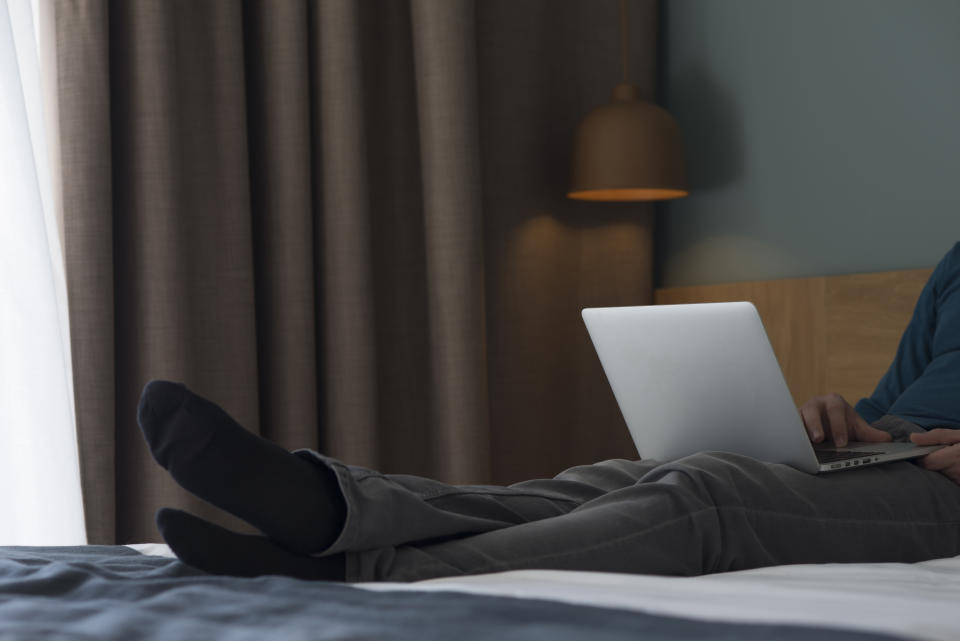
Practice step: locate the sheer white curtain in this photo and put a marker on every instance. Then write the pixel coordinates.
(40, 499)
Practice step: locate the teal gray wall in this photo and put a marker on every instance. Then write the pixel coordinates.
(822, 137)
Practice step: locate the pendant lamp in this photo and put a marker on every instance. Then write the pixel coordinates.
(629, 149)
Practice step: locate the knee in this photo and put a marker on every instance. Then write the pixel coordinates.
(718, 478)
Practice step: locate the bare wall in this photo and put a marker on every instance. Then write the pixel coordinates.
(822, 137)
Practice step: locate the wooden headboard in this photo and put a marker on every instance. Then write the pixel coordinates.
(830, 333)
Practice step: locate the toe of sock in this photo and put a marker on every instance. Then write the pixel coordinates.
(167, 516)
(184, 533)
(160, 399)
(174, 525)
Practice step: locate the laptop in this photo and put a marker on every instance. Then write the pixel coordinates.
(703, 377)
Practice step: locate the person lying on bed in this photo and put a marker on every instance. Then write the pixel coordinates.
(714, 512)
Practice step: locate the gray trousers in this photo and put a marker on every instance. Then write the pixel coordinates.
(710, 512)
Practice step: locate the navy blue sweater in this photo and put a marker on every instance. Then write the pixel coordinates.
(923, 383)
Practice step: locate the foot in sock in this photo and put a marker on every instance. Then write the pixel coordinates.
(213, 549)
(295, 502)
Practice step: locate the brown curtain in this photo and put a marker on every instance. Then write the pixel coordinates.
(344, 222)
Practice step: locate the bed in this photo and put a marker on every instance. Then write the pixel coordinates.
(817, 329)
(118, 593)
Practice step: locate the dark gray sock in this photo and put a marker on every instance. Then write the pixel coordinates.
(295, 502)
(213, 549)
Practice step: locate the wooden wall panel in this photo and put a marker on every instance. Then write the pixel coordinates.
(865, 316)
(830, 333)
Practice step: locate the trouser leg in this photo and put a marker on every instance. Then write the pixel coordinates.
(388, 510)
(705, 513)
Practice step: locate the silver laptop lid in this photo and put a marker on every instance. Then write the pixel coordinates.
(696, 378)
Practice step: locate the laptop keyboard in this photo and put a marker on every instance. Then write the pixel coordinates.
(829, 456)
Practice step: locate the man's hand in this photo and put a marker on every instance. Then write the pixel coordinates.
(945, 460)
(831, 417)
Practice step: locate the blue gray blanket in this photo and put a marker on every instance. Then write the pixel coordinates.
(107, 593)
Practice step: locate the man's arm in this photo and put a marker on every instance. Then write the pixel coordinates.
(921, 383)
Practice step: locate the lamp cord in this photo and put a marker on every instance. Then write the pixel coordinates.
(623, 39)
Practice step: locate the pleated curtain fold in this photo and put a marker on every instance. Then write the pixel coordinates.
(300, 210)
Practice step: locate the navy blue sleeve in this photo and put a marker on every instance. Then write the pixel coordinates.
(923, 382)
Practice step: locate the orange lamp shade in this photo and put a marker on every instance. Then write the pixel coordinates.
(627, 150)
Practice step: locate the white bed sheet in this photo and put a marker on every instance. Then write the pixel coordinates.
(918, 601)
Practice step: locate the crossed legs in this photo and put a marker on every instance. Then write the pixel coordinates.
(705, 513)
(294, 502)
